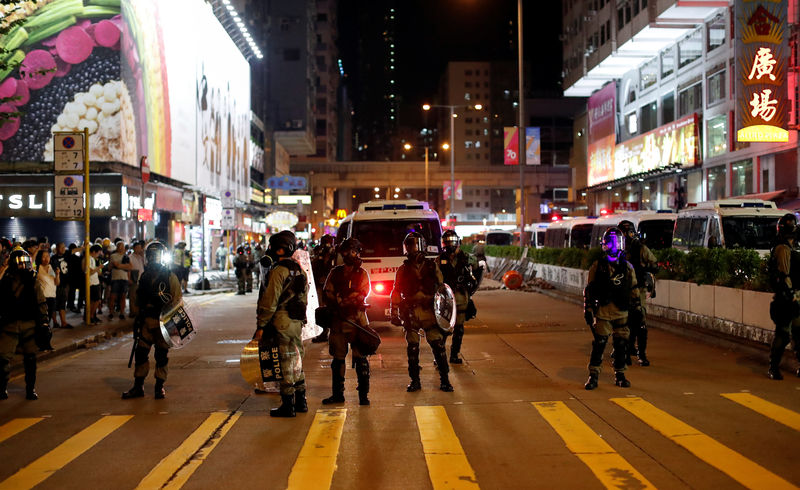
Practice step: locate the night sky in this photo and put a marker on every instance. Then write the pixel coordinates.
(432, 32)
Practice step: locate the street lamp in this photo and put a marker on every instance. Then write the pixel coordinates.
(427, 107)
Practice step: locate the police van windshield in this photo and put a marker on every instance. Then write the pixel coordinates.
(385, 238)
(657, 233)
(755, 232)
(494, 238)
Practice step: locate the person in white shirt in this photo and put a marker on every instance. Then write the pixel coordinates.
(47, 280)
(120, 268)
(93, 299)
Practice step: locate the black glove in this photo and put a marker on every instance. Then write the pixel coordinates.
(588, 316)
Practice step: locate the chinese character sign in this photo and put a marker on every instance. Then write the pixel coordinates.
(510, 146)
(533, 146)
(762, 52)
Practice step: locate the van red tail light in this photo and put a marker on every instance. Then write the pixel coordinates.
(382, 288)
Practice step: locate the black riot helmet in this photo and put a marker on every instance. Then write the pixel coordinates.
(351, 252)
(613, 243)
(247, 249)
(787, 226)
(155, 253)
(327, 240)
(413, 243)
(628, 229)
(240, 250)
(20, 260)
(282, 244)
(450, 241)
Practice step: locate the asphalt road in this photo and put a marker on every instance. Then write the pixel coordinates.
(700, 417)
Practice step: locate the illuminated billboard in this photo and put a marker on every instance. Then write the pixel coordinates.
(601, 110)
(762, 55)
(674, 143)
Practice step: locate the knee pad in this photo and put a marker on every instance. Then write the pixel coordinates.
(140, 356)
(161, 357)
(600, 340)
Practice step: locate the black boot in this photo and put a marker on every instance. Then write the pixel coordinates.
(455, 347)
(775, 373)
(591, 383)
(440, 354)
(621, 381)
(412, 351)
(323, 337)
(300, 403)
(337, 383)
(362, 371)
(159, 391)
(3, 380)
(137, 391)
(29, 360)
(641, 353)
(286, 409)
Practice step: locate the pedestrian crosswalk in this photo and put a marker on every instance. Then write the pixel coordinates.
(314, 462)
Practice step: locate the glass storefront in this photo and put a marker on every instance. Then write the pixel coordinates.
(716, 182)
(717, 136)
(742, 177)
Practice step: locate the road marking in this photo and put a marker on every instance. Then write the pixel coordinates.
(41, 469)
(173, 462)
(316, 462)
(199, 458)
(747, 472)
(16, 426)
(608, 466)
(448, 467)
(768, 409)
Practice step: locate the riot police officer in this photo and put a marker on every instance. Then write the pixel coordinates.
(458, 271)
(240, 268)
(322, 262)
(611, 293)
(21, 307)
(281, 311)
(251, 266)
(644, 265)
(784, 276)
(415, 286)
(159, 290)
(346, 288)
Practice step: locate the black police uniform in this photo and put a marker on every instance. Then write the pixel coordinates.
(240, 269)
(322, 262)
(785, 308)
(457, 270)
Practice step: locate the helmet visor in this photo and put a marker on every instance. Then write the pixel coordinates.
(614, 243)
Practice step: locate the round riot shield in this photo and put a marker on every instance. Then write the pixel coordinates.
(178, 326)
(250, 364)
(444, 307)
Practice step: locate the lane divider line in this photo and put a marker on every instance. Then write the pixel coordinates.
(316, 462)
(608, 466)
(167, 467)
(448, 466)
(41, 469)
(743, 470)
(768, 409)
(14, 427)
(183, 475)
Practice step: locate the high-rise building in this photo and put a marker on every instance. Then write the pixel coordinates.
(329, 73)
(669, 83)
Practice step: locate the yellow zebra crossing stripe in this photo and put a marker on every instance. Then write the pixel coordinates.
(448, 466)
(768, 409)
(747, 472)
(191, 466)
(14, 427)
(167, 467)
(38, 471)
(316, 463)
(608, 466)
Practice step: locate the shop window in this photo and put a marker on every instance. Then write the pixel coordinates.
(716, 182)
(717, 136)
(716, 87)
(649, 119)
(668, 108)
(690, 99)
(716, 32)
(690, 49)
(742, 178)
(648, 74)
(632, 123)
(668, 62)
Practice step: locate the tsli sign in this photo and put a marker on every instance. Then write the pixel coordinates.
(762, 55)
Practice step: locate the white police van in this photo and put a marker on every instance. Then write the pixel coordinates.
(381, 226)
(654, 227)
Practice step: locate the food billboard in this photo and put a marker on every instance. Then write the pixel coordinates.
(145, 77)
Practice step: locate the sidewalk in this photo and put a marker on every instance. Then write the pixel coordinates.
(219, 281)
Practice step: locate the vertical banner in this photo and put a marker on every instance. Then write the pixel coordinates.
(446, 190)
(762, 56)
(602, 134)
(533, 146)
(510, 146)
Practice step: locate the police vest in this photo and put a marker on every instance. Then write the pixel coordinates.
(611, 284)
(456, 271)
(154, 291)
(18, 300)
(413, 280)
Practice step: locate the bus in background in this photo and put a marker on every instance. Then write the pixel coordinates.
(729, 223)
(654, 227)
(381, 226)
(570, 232)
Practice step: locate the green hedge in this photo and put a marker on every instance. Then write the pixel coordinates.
(738, 268)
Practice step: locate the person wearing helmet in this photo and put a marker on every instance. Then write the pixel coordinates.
(240, 268)
(458, 270)
(645, 265)
(784, 277)
(159, 290)
(345, 290)
(251, 267)
(258, 252)
(611, 293)
(322, 262)
(24, 322)
(281, 312)
(415, 286)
